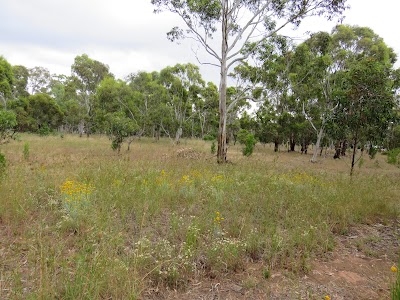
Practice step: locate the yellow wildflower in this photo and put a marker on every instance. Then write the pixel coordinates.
(393, 268)
(327, 297)
(218, 218)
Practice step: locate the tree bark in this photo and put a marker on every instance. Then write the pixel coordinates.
(344, 148)
(222, 148)
(292, 144)
(317, 145)
(353, 158)
(178, 135)
(276, 145)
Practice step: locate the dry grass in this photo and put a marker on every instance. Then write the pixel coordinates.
(151, 219)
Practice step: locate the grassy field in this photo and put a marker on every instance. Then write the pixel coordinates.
(79, 221)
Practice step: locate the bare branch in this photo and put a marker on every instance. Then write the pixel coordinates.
(309, 119)
(204, 63)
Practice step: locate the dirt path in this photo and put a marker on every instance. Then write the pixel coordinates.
(358, 268)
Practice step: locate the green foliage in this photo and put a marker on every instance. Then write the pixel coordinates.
(21, 75)
(213, 147)
(394, 137)
(209, 137)
(242, 136)
(249, 145)
(8, 122)
(26, 151)
(43, 114)
(6, 80)
(372, 151)
(44, 130)
(266, 273)
(3, 164)
(393, 156)
(119, 127)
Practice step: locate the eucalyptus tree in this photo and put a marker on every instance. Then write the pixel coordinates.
(8, 123)
(44, 113)
(315, 80)
(352, 45)
(183, 83)
(268, 79)
(238, 22)
(115, 112)
(6, 81)
(88, 73)
(206, 110)
(150, 98)
(39, 80)
(367, 109)
(20, 84)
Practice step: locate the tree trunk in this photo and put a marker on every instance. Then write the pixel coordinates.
(337, 150)
(81, 127)
(319, 138)
(222, 148)
(276, 145)
(344, 148)
(353, 158)
(292, 145)
(178, 135)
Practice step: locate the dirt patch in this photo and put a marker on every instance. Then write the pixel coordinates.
(358, 268)
(188, 153)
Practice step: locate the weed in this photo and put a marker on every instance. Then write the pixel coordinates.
(26, 151)
(3, 165)
(213, 147)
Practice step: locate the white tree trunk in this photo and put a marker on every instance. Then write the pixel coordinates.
(317, 145)
(222, 149)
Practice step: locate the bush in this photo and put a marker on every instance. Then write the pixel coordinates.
(249, 145)
(242, 136)
(44, 130)
(209, 137)
(393, 156)
(26, 151)
(213, 150)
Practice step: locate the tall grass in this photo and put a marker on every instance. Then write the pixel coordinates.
(155, 219)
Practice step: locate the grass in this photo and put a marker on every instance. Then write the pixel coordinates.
(154, 219)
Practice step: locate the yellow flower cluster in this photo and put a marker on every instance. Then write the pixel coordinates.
(393, 269)
(75, 190)
(185, 180)
(218, 219)
(217, 178)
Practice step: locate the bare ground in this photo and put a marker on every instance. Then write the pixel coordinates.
(358, 268)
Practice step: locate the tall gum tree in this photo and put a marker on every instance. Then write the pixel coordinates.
(238, 22)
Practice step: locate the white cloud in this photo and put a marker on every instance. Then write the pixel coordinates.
(126, 35)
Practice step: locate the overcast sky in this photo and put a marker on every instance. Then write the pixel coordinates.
(127, 36)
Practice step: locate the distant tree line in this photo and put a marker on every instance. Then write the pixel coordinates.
(336, 89)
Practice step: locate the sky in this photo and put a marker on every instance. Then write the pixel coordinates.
(128, 37)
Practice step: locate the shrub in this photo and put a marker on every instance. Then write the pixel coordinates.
(249, 145)
(242, 136)
(213, 150)
(26, 151)
(44, 130)
(393, 156)
(209, 137)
